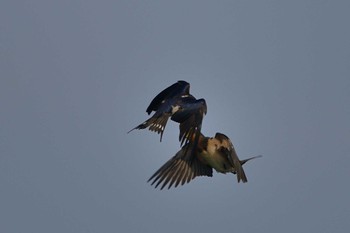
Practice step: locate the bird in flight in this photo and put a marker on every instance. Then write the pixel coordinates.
(199, 155)
(210, 153)
(176, 102)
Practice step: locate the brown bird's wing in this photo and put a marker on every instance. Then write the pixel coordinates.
(229, 151)
(181, 168)
(238, 166)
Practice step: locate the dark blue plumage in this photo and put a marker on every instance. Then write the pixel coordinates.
(177, 103)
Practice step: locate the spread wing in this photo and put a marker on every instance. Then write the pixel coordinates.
(181, 168)
(155, 123)
(177, 89)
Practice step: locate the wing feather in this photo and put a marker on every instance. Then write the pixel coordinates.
(181, 168)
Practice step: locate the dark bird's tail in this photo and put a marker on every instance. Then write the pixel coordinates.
(155, 124)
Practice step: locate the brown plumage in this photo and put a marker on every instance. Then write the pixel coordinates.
(217, 152)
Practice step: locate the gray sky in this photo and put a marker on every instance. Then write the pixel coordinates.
(75, 76)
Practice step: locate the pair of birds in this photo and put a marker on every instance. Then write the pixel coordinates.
(199, 154)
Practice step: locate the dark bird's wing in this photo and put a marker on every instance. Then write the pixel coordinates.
(182, 168)
(163, 105)
(190, 118)
(156, 123)
(179, 88)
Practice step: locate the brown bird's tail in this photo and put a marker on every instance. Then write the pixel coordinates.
(246, 160)
(239, 169)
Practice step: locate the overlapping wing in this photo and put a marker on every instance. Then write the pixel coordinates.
(190, 118)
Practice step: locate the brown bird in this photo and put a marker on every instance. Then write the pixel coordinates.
(217, 152)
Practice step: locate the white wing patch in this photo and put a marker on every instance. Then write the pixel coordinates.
(174, 109)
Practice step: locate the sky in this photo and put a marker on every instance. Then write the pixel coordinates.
(76, 76)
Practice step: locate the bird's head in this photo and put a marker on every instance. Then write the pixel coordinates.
(221, 137)
(224, 140)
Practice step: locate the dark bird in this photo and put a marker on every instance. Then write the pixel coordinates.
(217, 153)
(177, 103)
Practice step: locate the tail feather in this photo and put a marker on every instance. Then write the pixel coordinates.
(240, 172)
(246, 160)
(239, 169)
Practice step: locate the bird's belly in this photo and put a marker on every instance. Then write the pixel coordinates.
(216, 161)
